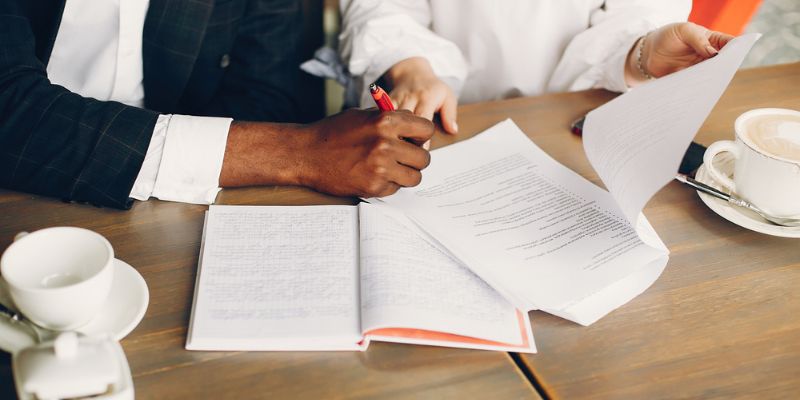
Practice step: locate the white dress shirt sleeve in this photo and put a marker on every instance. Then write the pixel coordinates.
(376, 34)
(596, 57)
(184, 160)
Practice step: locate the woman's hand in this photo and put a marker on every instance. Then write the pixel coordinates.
(672, 48)
(416, 88)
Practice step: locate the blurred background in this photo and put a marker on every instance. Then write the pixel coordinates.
(777, 20)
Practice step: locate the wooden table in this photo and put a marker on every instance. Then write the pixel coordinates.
(723, 320)
(162, 240)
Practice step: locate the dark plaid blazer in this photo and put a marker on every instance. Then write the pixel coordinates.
(234, 58)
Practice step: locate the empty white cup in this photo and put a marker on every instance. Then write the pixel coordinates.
(59, 277)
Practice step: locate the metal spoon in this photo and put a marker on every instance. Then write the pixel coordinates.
(16, 332)
(782, 221)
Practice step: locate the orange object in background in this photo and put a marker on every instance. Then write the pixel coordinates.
(728, 16)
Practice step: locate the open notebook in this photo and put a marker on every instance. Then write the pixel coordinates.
(335, 278)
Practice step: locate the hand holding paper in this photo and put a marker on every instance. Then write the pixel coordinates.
(635, 142)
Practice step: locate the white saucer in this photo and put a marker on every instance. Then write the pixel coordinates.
(738, 215)
(125, 306)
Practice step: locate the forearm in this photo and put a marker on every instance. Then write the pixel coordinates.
(263, 154)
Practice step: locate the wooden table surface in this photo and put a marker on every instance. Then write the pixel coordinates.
(722, 320)
(162, 240)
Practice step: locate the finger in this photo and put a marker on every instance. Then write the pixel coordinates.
(719, 39)
(407, 103)
(696, 37)
(425, 108)
(448, 114)
(387, 190)
(411, 155)
(406, 126)
(396, 99)
(404, 111)
(404, 176)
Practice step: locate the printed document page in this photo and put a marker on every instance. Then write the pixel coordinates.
(636, 141)
(407, 282)
(278, 278)
(540, 234)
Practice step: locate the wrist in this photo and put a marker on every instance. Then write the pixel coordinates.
(414, 67)
(636, 71)
(304, 141)
(260, 153)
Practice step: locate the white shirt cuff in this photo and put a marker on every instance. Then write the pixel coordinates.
(146, 180)
(614, 68)
(184, 160)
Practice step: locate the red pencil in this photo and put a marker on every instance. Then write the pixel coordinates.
(382, 99)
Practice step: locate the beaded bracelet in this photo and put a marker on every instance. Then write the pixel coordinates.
(639, 58)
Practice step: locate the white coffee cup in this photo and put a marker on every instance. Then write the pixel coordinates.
(59, 277)
(769, 180)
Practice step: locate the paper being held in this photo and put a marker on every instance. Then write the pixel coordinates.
(635, 142)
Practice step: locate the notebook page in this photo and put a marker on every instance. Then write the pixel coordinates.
(407, 282)
(636, 141)
(278, 278)
(537, 232)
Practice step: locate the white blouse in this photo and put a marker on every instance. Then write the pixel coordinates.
(498, 49)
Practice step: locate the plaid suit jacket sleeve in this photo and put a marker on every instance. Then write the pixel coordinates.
(55, 142)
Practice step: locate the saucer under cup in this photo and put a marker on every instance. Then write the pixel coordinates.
(735, 214)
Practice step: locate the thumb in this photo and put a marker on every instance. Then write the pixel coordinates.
(448, 114)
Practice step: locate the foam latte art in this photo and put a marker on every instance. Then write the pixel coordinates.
(777, 135)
